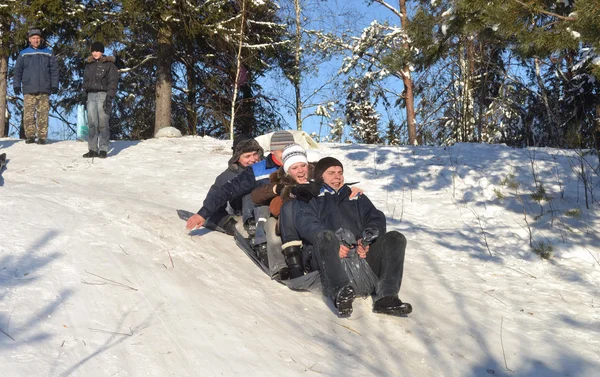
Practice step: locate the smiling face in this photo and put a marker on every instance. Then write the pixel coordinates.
(97, 54)
(334, 177)
(299, 171)
(249, 158)
(35, 41)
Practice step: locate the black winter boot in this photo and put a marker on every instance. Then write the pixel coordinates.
(343, 300)
(41, 141)
(90, 154)
(261, 253)
(30, 140)
(102, 154)
(293, 259)
(250, 226)
(229, 226)
(392, 305)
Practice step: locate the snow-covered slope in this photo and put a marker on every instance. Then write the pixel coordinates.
(98, 276)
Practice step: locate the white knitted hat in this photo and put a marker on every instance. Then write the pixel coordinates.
(291, 154)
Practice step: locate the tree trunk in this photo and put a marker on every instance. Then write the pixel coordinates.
(409, 97)
(549, 113)
(238, 64)
(297, 58)
(597, 128)
(3, 103)
(164, 82)
(192, 115)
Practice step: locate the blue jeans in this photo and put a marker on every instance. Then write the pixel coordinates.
(99, 133)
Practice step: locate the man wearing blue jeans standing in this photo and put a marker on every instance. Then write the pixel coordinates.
(100, 84)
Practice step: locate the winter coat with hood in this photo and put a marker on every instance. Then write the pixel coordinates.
(101, 75)
(36, 71)
(241, 185)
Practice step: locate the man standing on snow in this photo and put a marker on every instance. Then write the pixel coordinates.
(246, 152)
(100, 80)
(318, 224)
(36, 72)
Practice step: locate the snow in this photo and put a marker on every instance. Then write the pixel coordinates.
(98, 276)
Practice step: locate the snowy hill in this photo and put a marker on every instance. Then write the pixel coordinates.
(98, 276)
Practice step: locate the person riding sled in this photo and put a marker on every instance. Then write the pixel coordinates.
(246, 152)
(254, 218)
(319, 224)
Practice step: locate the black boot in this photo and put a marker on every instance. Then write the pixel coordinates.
(90, 154)
(30, 140)
(250, 226)
(261, 253)
(229, 226)
(41, 141)
(343, 300)
(293, 259)
(102, 154)
(392, 305)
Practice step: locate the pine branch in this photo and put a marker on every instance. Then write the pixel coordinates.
(531, 7)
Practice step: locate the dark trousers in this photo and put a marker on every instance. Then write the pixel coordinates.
(326, 259)
(385, 257)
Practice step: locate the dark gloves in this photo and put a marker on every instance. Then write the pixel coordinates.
(279, 188)
(17, 90)
(54, 90)
(369, 235)
(107, 106)
(306, 191)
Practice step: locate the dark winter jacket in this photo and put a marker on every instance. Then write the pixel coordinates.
(101, 75)
(241, 185)
(334, 210)
(36, 71)
(232, 171)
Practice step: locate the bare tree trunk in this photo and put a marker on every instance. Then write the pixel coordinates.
(192, 115)
(164, 82)
(3, 103)
(409, 97)
(544, 94)
(238, 64)
(597, 128)
(297, 58)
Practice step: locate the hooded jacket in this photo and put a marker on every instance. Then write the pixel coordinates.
(36, 71)
(101, 75)
(241, 185)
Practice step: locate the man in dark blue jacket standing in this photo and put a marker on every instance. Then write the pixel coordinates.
(318, 223)
(36, 76)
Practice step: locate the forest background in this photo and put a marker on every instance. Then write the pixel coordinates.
(435, 72)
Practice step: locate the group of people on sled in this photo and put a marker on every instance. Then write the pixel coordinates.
(301, 217)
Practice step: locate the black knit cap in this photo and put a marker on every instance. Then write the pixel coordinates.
(324, 164)
(97, 46)
(244, 144)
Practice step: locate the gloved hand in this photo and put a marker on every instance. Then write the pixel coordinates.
(306, 192)
(369, 235)
(279, 188)
(17, 90)
(107, 106)
(54, 90)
